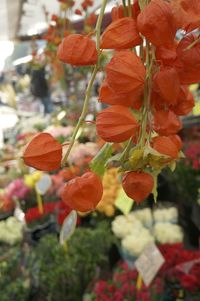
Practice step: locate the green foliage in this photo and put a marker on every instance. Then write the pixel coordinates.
(54, 272)
(185, 180)
(14, 284)
(98, 164)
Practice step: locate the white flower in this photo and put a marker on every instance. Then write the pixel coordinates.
(144, 215)
(168, 233)
(10, 230)
(124, 225)
(166, 215)
(135, 243)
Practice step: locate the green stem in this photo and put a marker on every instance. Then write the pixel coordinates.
(125, 8)
(129, 8)
(192, 44)
(89, 88)
(98, 27)
(147, 94)
(126, 150)
(83, 114)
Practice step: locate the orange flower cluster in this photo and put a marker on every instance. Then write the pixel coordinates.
(146, 90)
(156, 82)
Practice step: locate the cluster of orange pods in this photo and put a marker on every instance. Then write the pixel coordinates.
(151, 87)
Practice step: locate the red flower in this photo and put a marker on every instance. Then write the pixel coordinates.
(190, 282)
(58, 208)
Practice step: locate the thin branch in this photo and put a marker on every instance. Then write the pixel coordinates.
(90, 85)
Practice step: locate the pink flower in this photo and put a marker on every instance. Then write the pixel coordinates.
(17, 189)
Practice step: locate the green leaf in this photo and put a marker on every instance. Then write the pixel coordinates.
(123, 202)
(115, 158)
(181, 155)
(98, 164)
(172, 165)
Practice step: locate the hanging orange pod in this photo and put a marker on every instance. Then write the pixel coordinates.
(185, 102)
(166, 55)
(156, 23)
(107, 95)
(121, 34)
(43, 152)
(119, 11)
(126, 72)
(166, 146)
(116, 124)
(176, 140)
(166, 123)
(167, 84)
(137, 185)
(189, 57)
(186, 14)
(188, 61)
(78, 50)
(83, 193)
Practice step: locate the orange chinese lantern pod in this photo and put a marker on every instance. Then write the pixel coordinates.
(116, 124)
(186, 13)
(137, 185)
(121, 34)
(176, 140)
(83, 193)
(165, 55)
(166, 83)
(125, 72)
(78, 50)
(156, 23)
(91, 19)
(43, 152)
(188, 62)
(189, 56)
(185, 102)
(157, 101)
(166, 123)
(107, 95)
(166, 146)
(119, 12)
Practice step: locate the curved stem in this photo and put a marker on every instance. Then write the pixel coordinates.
(89, 88)
(83, 114)
(98, 26)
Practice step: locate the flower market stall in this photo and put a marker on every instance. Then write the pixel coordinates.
(100, 169)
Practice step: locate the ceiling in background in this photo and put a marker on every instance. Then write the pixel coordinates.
(26, 17)
(20, 19)
(33, 21)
